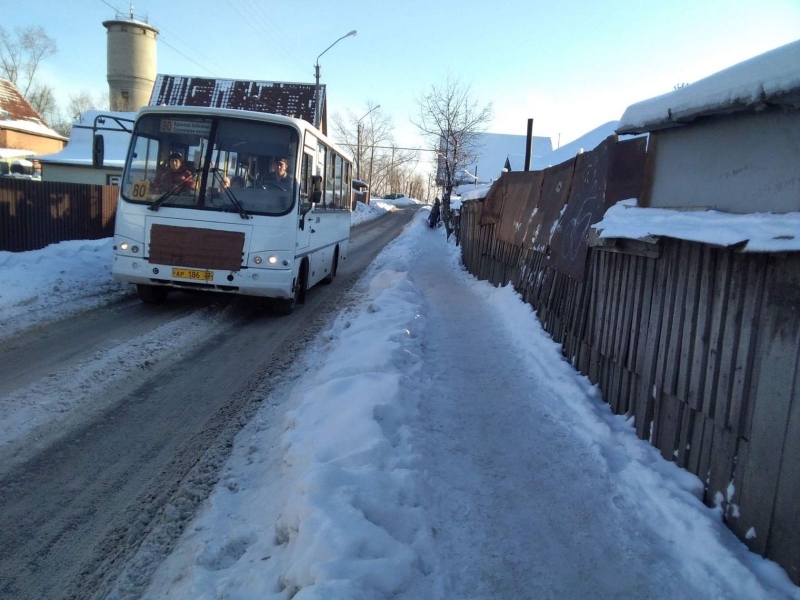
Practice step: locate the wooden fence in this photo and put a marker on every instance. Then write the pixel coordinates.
(700, 345)
(34, 214)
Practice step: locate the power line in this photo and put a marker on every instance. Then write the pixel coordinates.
(188, 58)
(262, 14)
(260, 33)
(172, 35)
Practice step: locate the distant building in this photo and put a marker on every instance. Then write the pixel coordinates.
(21, 127)
(73, 164)
(296, 100)
(730, 141)
(498, 151)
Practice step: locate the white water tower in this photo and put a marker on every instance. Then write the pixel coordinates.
(131, 62)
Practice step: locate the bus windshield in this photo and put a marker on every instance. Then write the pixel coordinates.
(217, 164)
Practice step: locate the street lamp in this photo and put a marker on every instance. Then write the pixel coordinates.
(316, 75)
(358, 136)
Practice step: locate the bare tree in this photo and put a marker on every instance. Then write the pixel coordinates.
(79, 103)
(21, 55)
(451, 120)
(375, 129)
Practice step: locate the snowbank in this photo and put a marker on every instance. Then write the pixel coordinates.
(47, 285)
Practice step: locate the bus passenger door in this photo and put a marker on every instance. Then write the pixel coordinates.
(304, 234)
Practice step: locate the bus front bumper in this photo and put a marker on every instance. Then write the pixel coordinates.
(269, 283)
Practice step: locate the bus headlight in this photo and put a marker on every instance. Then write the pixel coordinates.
(273, 260)
(123, 246)
(257, 260)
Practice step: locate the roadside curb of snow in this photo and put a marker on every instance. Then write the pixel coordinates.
(355, 524)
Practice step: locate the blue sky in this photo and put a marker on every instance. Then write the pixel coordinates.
(571, 65)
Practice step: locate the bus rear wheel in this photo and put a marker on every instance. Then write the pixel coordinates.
(334, 265)
(152, 294)
(285, 306)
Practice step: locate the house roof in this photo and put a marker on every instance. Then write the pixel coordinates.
(17, 114)
(772, 78)
(587, 142)
(78, 150)
(288, 99)
(497, 148)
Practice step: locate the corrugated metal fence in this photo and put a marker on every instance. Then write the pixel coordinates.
(700, 345)
(34, 214)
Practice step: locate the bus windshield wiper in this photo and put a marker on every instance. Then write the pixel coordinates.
(170, 192)
(233, 199)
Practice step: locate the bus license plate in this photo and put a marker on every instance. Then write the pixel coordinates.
(192, 274)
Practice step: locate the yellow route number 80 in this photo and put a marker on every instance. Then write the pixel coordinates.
(140, 190)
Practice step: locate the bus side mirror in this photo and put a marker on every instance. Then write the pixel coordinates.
(316, 182)
(98, 151)
(316, 196)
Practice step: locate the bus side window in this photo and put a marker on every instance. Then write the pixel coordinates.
(305, 182)
(322, 157)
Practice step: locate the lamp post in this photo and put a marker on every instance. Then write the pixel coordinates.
(316, 75)
(358, 136)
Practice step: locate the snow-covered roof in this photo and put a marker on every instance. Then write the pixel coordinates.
(758, 232)
(275, 97)
(15, 152)
(17, 114)
(770, 78)
(78, 150)
(587, 142)
(495, 148)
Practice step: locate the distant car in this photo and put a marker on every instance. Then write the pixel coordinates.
(393, 196)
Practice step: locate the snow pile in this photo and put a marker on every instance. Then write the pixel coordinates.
(401, 201)
(759, 232)
(479, 193)
(749, 84)
(367, 212)
(50, 284)
(340, 513)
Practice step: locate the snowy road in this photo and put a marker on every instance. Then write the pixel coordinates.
(436, 446)
(109, 415)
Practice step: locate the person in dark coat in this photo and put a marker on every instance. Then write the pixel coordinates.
(436, 211)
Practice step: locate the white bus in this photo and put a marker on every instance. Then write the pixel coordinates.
(206, 205)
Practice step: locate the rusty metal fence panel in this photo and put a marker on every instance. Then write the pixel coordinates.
(34, 214)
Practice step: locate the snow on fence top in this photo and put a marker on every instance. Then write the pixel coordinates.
(770, 78)
(757, 232)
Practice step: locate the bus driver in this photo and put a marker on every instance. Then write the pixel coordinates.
(175, 173)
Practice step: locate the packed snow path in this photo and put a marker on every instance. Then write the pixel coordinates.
(439, 447)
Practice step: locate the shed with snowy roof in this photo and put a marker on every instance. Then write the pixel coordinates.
(73, 164)
(729, 142)
(21, 127)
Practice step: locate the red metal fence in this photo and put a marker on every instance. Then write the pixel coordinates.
(34, 214)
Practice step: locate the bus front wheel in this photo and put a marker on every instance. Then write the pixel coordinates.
(285, 306)
(152, 294)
